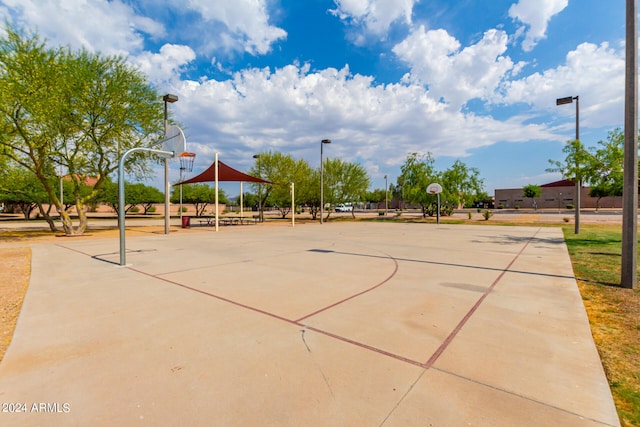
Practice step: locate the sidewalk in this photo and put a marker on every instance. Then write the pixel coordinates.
(335, 324)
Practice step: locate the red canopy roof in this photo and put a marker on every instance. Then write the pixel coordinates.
(225, 173)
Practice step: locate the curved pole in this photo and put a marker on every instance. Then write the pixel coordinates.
(123, 258)
(293, 205)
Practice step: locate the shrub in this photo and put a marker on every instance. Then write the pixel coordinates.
(134, 209)
(380, 213)
(487, 215)
(469, 214)
(500, 206)
(570, 206)
(516, 207)
(566, 219)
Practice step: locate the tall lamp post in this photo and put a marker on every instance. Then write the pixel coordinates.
(324, 141)
(168, 98)
(569, 100)
(386, 195)
(629, 270)
(257, 157)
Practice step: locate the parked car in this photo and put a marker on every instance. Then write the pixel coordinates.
(341, 207)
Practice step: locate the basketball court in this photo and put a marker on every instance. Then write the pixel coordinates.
(366, 324)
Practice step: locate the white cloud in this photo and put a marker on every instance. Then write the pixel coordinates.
(455, 75)
(114, 27)
(535, 14)
(110, 27)
(246, 22)
(164, 66)
(376, 16)
(291, 110)
(595, 73)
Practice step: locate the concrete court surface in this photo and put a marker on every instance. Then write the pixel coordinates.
(341, 324)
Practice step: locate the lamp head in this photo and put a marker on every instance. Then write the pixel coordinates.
(170, 98)
(566, 100)
(326, 141)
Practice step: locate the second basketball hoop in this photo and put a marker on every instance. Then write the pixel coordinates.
(186, 161)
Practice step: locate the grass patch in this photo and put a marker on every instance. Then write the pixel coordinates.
(614, 312)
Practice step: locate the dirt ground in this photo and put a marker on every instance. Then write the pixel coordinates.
(15, 269)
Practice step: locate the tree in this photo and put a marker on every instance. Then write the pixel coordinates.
(145, 195)
(134, 194)
(379, 195)
(199, 195)
(344, 182)
(600, 166)
(308, 192)
(416, 174)
(532, 191)
(19, 187)
(282, 170)
(78, 111)
(605, 171)
(461, 184)
(577, 163)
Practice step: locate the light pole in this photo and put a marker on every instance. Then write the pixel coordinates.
(167, 215)
(324, 141)
(569, 100)
(386, 196)
(257, 157)
(629, 267)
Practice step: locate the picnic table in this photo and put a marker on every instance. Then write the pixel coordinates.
(210, 220)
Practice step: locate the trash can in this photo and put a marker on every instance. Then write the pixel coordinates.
(186, 221)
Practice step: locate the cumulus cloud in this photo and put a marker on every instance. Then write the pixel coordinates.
(535, 14)
(375, 16)
(246, 23)
(291, 109)
(166, 65)
(109, 27)
(452, 74)
(593, 72)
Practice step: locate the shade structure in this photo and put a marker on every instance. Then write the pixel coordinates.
(225, 173)
(219, 171)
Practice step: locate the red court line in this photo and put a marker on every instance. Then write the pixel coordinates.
(393, 273)
(425, 365)
(365, 346)
(218, 297)
(284, 319)
(434, 357)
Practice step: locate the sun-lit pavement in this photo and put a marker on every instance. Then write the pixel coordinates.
(334, 324)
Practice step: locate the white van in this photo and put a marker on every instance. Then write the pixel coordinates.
(341, 207)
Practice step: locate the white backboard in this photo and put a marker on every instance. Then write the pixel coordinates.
(434, 188)
(174, 141)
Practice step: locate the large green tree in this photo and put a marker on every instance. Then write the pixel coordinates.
(344, 182)
(281, 170)
(600, 166)
(75, 111)
(199, 195)
(577, 164)
(605, 172)
(416, 174)
(461, 184)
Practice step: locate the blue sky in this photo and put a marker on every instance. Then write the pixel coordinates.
(471, 80)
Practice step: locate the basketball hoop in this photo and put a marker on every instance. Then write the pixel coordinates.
(186, 161)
